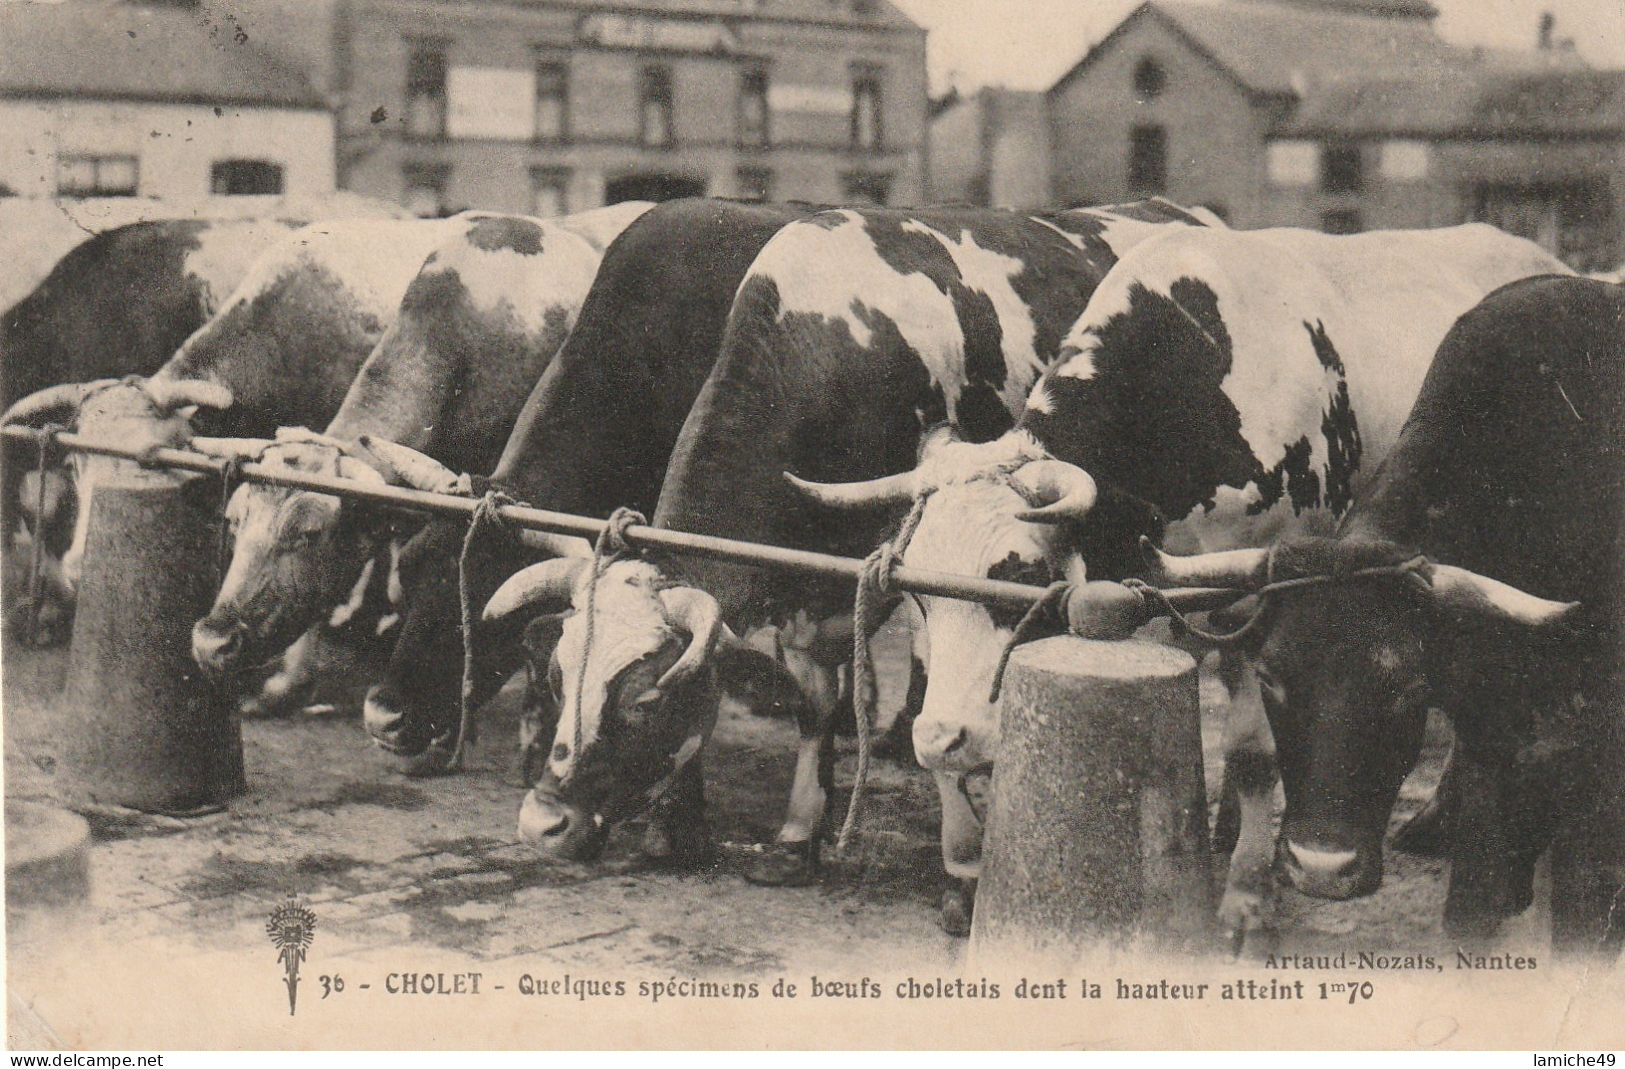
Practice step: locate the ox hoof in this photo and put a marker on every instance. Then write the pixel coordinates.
(958, 907)
(436, 760)
(260, 707)
(54, 629)
(785, 865)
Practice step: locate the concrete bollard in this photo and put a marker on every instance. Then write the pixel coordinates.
(140, 726)
(1097, 832)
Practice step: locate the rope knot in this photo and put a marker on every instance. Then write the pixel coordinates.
(612, 542)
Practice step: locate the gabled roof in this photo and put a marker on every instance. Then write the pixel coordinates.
(95, 48)
(1475, 104)
(1282, 49)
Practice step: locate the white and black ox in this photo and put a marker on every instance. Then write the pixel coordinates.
(476, 327)
(1510, 477)
(1224, 386)
(852, 333)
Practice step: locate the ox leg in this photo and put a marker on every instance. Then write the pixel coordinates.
(961, 854)
(1427, 832)
(288, 685)
(1247, 909)
(792, 860)
(1479, 894)
(677, 834)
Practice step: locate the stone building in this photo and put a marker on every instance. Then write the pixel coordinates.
(558, 105)
(104, 99)
(1339, 115)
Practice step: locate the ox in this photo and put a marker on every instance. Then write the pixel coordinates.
(1228, 385)
(1511, 465)
(852, 331)
(117, 304)
(475, 330)
(595, 433)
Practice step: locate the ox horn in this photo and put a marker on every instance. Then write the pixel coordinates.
(870, 493)
(405, 466)
(169, 394)
(1240, 569)
(544, 587)
(1066, 490)
(230, 448)
(53, 400)
(696, 612)
(1471, 594)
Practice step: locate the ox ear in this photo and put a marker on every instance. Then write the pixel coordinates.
(758, 681)
(230, 448)
(1469, 594)
(405, 466)
(540, 588)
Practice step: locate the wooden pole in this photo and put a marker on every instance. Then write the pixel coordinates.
(1097, 832)
(139, 726)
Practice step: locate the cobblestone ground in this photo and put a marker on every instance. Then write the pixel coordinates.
(403, 874)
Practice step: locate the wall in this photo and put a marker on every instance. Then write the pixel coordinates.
(175, 145)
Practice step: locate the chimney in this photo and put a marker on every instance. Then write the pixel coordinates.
(1548, 22)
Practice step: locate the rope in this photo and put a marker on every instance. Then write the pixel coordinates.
(610, 547)
(487, 513)
(875, 583)
(1047, 609)
(47, 450)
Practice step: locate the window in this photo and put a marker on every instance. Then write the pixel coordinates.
(426, 89)
(866, 188)
(754, 183)
(1405, 161)
(753, 129)
(425, 189)
(1147, 160)
(235, 178)
(1293, 163)
(549, 192)
(552, 101)
(96, 176)
(654, 110)
(866, 111)
(1149, 79)
(1340, 168)
(1342, 221)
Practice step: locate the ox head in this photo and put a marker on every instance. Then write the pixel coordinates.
(296, 554)
(1001, 510)
(1343, 668)
(134, 413)
(645, 687)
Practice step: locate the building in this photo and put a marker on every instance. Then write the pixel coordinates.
(548, 106)
(1339, 115)
(992, 148)
(124, 99)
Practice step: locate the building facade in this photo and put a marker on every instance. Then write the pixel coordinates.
(547, 106)
(1338, 115)
(143, 100)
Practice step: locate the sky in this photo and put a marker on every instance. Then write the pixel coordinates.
(1028, 44)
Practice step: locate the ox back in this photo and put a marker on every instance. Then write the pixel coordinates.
(595, 433)
(854, 332)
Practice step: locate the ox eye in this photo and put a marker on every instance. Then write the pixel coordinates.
(1270, 687)
(555, 680)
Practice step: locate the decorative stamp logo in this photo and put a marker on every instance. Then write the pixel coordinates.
(291, 927)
